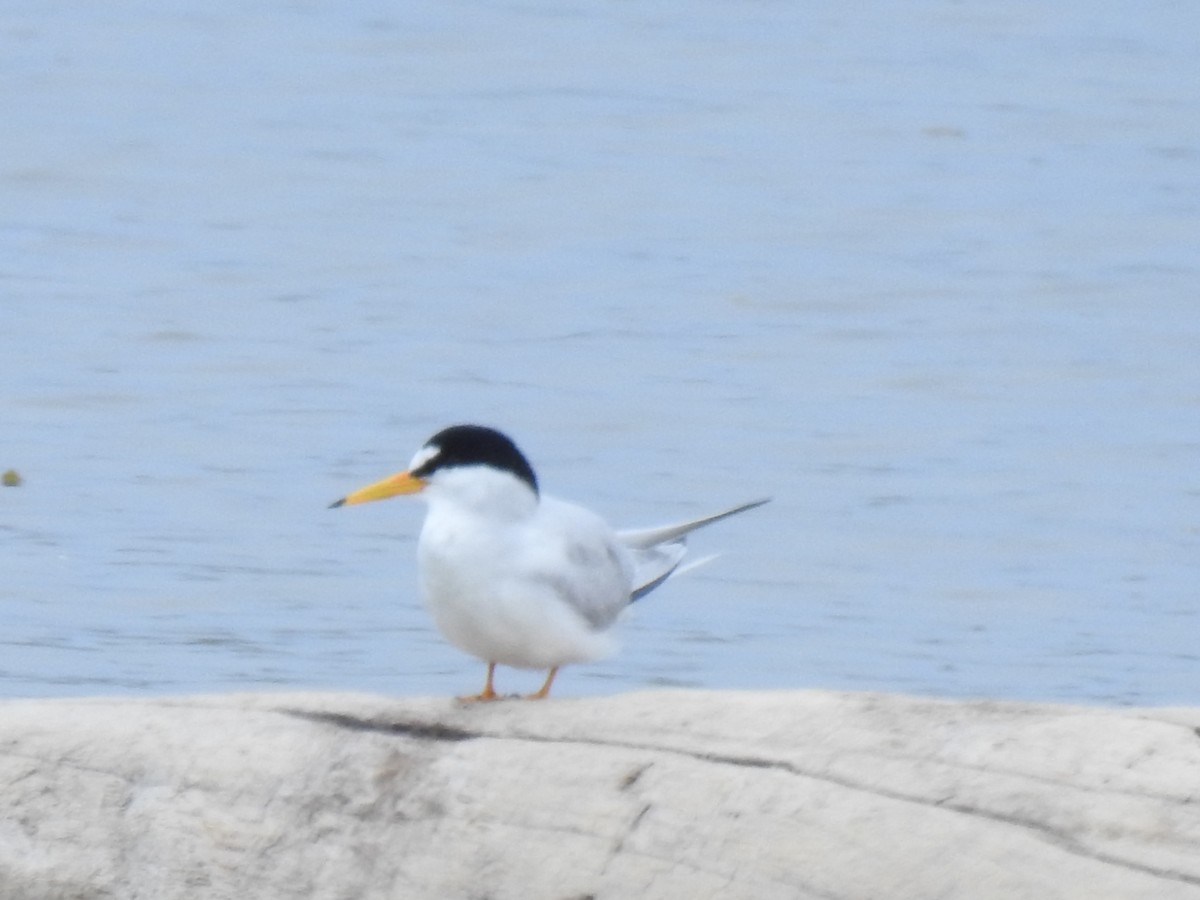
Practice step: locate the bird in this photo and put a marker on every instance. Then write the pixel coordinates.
(516, 577)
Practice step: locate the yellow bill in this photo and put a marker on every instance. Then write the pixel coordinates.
(393, 485)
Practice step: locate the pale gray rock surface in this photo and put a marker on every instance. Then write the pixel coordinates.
(665, 794)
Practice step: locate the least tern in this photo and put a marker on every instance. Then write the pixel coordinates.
(513, 576)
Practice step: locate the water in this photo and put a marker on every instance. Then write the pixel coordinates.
(925, 273)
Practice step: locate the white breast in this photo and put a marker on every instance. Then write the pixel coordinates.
(534, 589)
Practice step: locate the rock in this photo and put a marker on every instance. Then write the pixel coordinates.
(663, 794)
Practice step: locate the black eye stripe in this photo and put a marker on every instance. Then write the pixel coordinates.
(427, 467)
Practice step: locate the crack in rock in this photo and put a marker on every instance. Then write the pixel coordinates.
(434, 731)
(1064, 842)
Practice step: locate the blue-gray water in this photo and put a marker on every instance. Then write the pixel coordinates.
(927, 273)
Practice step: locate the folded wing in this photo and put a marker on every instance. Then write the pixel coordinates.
(657, 552)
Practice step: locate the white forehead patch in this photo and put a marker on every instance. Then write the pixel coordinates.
(424, 455)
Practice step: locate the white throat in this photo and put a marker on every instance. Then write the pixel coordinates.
(480, 491)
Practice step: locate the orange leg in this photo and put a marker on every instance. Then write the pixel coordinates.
(488, 692)
(544, 691)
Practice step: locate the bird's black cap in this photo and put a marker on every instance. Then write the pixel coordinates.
(476, 445)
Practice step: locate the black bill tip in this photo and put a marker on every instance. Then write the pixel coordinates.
(336, 503)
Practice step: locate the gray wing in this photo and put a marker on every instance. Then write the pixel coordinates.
(578, 557)
(657, 552)
(642, 538)
(602, 600)
(654, 565)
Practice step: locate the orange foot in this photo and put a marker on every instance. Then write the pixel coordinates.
(544, 691)
(488, 692)
(481, 697)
